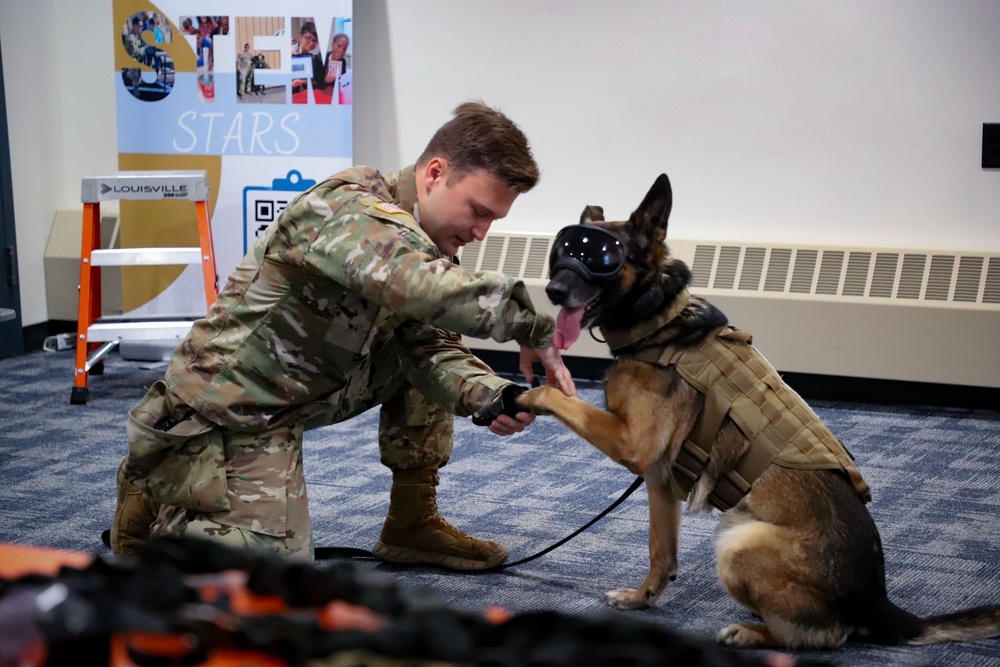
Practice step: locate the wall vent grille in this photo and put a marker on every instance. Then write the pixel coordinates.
(514, 256)
(856, 278)
(991, 291)
(753, 268)
(492, 253)
(777, 270)
(701, 267)
(884, 275)
(805, 268)
(912, 277)
(967, 282)
(939, 278)
(725, 272)
(876, 274)
(830, 264)
(538, 259)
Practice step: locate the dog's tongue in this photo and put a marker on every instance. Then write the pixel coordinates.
(567, 327)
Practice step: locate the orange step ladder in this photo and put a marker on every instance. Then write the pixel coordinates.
(96, 336)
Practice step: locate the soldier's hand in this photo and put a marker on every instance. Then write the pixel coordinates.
(556, 372)
(507, 425)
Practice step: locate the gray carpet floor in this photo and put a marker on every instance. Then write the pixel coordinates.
(935, 475)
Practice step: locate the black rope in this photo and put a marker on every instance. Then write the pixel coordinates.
(628, 492)
(325, 553)
(352, 553)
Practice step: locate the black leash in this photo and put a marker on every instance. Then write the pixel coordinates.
(326, 553)
(628, 492)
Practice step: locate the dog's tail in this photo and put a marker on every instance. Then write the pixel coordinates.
(888, 624)
(959, 626)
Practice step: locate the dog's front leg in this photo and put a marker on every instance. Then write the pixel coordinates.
(607, 432)
(664, 531)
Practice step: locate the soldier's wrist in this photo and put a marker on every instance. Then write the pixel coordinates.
(540, 334)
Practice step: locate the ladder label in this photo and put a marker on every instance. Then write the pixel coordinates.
(167, 191)
(189, 184)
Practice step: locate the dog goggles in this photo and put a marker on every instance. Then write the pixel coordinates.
(593, 252)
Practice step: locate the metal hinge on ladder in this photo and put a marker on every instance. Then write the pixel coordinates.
(97, 336)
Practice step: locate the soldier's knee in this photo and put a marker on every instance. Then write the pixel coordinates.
(201, 526)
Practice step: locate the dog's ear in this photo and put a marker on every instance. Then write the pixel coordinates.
(591, 214)
(649, 221)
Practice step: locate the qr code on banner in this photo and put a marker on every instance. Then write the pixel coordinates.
(263, 205)
(266, 211)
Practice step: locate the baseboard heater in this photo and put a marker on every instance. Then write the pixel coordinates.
(900, 314)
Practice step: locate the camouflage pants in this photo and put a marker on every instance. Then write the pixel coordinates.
(263, 470)
(413, 431)
(266, 493)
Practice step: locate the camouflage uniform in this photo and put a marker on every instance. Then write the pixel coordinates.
(342, 304)
(244, 65)
(135, 46)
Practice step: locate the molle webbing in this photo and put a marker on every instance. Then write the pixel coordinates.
(782, 429)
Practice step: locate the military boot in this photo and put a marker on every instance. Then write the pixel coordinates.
(414, 532)
(134, 513)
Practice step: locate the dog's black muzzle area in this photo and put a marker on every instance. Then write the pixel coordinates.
(568, 289)
(593, 252)
(557, 291)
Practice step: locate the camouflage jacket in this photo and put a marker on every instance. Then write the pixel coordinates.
(244, 61)
(345, 268)
(135, 46)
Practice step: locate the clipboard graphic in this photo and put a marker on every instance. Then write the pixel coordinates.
(262, 205)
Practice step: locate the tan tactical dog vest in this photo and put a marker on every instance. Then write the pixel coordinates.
(781, 427)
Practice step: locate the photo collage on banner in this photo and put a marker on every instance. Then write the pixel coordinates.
(256, 93)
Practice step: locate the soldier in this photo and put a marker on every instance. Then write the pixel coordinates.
(351, 299)
(244, 71)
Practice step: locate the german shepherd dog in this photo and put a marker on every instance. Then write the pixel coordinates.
(799, 550)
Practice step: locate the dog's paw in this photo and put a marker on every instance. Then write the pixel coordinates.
(739, 635)
(537, 400)
(626, 598)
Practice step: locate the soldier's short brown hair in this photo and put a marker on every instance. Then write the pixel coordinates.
(480, 137)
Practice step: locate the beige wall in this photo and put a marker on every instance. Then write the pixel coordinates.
(821, 122)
